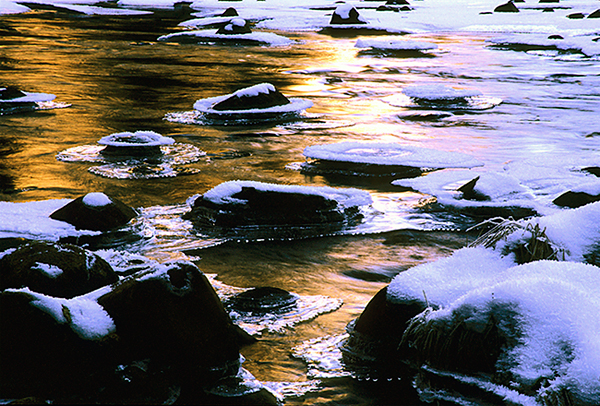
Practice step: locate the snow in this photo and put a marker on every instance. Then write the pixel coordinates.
(52, 271)
(136, 139)
(378, 153)
(579, 43)
(394, 44)
(96, 200)
(9, 7)
(438, 92)
(255, 90)
(83, 313)
(29, 97)
(222, 193)
(31, 220)
(557, 302)
(267, 38)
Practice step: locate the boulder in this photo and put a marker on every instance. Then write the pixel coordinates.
(266, 207)
(59, 270)
(347, 15)
(508, 7)
(595, 14)
(594, 170)
(95, 211)
(263, 300)
(575, 199)
(42, 357)
(260, 96)
(576, 16)
(230, 12)
(235, 27)
(469, 193)
(173, 315)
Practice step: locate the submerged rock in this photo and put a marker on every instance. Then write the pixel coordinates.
(58, 270)
(260, 96)
(237, 204)
(95, 211)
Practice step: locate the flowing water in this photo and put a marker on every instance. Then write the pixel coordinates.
(117, 77)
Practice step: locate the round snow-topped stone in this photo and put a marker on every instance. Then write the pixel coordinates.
(136, 139)
(439, 92)
(96, 199)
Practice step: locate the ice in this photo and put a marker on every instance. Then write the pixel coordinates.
(83, 313)
(96, 199)
(222, 194)
(378, 153)
(136, 139)
(394, 44)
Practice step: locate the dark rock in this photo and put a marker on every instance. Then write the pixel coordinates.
(555, 36)
(266, 207)
(575, 199)
(58, 270)
(548, 10)
(352, 18)
(175, 316)
(256, 100)
(595, 14)
(86, 216)
(234, 27)
(469, 192)
(9, 93)
(230, 12)
(549, 1)
(263, 300)
(594, 170)
(41, 357)
(376, 334)
(398, 2)
(507, 8)
(576, 16)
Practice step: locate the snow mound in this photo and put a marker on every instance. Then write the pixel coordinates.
(376, 153)
(136, 139)
(96, 199)
(222, 193)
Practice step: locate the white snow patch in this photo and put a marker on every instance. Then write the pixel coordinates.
(83, 313)
(29, 97)
(378, 153)
(52, 271)
(10, 7)
(222, 194)
(438, 92)
(255, 90)
(136, 139)
(96, 199)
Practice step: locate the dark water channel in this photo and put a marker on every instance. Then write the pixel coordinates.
(117, 77)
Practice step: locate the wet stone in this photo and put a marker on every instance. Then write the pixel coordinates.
(263, 300)
(259, 100)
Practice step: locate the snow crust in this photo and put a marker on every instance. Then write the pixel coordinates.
(438, 92)
(29, 97)
(82, 313)
(394, 44)
(267, 38)
(96, 200)
(348, 197)
(378, 153)
(556, 302)
(136, 139)
(31, 220)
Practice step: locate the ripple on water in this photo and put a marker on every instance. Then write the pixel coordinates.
(167, 164)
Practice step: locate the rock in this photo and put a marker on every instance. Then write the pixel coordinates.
(263, 300)
(235, 27)
(174, 315)
(346, 14)
(46, 359)
(398, 2)
(594, 170)
(469, 192)
(267, 207)
(230, 12)
(507, 8)
(58, 270)
(376, 334)
(9, 93)
(576, 16)
(555, 36)
(95, 211)
(575, 199)
(595, 14)
(260, 96)
(549, 1)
